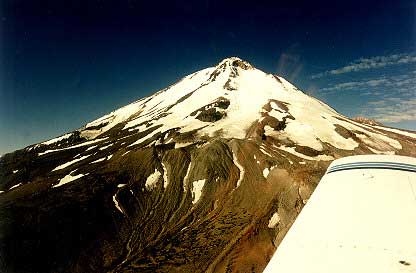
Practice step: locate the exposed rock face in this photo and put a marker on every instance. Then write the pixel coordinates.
(204, 176)
(213, 111)
(367, 121)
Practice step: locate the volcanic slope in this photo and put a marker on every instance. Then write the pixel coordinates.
(206, 175)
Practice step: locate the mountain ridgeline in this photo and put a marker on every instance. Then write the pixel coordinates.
(206, 175)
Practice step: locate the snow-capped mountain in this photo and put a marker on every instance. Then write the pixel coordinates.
(206, 175)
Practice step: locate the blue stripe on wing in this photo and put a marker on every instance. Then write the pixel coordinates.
(373, 165)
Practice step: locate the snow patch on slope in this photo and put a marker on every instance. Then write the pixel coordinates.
(182, 144)
(54, 140)
(274, 220)
(90, 148)
(15, 186)
(68, 178)
(152, 179)
(266, 172)
(262, 149)
(75, 146)
(197, 187)
(242, 171)
(106, 146)
(102, 159)
(165, 176)
(98, 160)
(63, 166)
(185, 179)
(116, 203)
(412, 135)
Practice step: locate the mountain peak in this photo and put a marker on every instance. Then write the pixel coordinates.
(235, 62)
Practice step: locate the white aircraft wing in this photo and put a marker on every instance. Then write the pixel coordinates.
(360, 218)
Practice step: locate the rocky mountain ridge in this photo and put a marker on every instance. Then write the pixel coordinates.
(367, 121)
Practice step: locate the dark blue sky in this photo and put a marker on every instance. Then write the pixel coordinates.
(64, 64)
